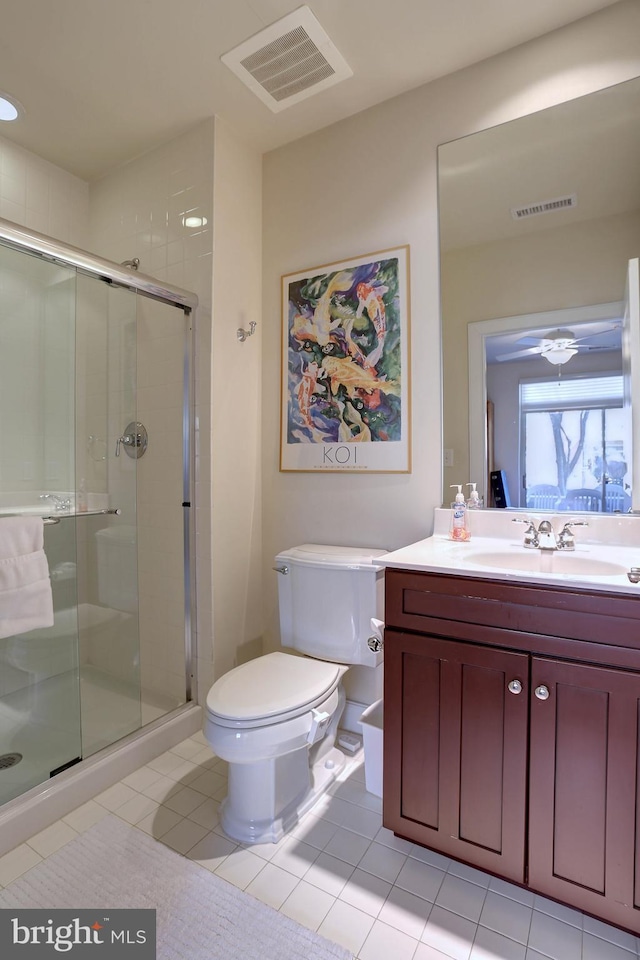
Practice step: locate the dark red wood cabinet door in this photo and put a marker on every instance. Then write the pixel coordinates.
(583, 828)
(455, 749)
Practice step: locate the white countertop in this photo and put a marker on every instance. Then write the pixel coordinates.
(506, 558)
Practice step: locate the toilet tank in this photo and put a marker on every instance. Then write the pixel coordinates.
(327, 598)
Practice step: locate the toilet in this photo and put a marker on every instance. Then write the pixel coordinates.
(275, 718)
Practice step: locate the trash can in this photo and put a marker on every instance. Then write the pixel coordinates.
(371, 721)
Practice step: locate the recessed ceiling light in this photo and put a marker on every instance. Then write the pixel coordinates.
(10, 109)
(194, 221)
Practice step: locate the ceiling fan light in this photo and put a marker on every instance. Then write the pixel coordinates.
(559, 356)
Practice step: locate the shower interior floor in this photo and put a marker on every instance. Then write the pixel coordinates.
(42, 722)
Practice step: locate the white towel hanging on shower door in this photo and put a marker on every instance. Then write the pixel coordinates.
(26, 601)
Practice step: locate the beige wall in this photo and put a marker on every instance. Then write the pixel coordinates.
(369, 183)
(237, 382)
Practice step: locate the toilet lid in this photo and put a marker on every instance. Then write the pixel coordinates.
(274, 684)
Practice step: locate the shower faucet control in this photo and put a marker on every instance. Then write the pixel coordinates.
(134, 440)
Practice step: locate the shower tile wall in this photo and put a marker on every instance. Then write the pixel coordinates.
(139, 211)
(41, 196)
(36, 194)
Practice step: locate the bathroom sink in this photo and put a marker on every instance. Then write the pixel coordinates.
(552, 561)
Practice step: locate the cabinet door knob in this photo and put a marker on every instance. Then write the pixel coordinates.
(515, 686)
(542, 692)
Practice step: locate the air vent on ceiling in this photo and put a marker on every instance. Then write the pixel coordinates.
(545, 206)
(288, 61)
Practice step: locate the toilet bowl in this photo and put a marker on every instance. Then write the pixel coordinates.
(275, 718)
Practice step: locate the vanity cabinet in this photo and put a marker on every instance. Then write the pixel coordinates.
(511, 733)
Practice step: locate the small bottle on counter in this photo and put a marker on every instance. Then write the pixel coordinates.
(459, 528)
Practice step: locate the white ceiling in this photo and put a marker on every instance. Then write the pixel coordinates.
(103, 81)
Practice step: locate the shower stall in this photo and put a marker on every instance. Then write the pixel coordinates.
(95, 437)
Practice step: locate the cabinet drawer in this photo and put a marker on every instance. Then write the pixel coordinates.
(428, 602)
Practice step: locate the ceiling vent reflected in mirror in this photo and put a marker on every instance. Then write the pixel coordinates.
(545, 206)
(289, 61)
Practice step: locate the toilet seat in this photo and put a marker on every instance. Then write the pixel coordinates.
(271, 689)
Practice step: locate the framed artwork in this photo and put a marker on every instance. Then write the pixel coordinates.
(345, 366)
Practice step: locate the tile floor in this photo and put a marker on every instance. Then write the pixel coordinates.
(340, 872)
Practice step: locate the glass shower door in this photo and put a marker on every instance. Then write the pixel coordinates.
(106, 479)
(39, 668)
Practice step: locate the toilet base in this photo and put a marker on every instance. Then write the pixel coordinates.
(264, 819)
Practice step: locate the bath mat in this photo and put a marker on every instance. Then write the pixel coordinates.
(199, 916)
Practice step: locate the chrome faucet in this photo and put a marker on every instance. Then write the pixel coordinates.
(545, 538)
(62, 504)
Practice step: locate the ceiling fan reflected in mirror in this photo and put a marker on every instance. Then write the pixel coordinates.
(558, 346)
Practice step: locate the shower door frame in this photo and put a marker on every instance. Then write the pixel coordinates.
(29, 241)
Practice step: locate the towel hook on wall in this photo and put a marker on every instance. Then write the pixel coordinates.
(243, 334)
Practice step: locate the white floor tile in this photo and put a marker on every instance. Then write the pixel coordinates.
(383, 861)
(339, 872)
(184, 801)
(162, 789)
(406, 912)
(346, 926)
(365, 892)
(142, 778)
(461, 897)
(430, 856)
(207, 814)
(17, 862)
(137, 808)
(489, 945)
(315, 831)
(209, 849)
(469, 873)
(421, 879)
(159, 822)
(593, 948)
(165, 763)
(295, 856)
(507, 917)
(599, 929)
(52, 838)
(425, 952)
(184, 835)
(208, 782)
(240, 868)
(384, 942)
(555, 939)
(187, 749)
(307, 905)
(559, 911)
(388, 839)
(272, 885)
(366, 822)
(115, 796)
(85, 816)
(511, 891)
(346, 845)
(329, 874)
(449, 933)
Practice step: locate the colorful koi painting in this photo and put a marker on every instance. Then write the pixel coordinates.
(345, 361)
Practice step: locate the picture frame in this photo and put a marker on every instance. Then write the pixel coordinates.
(345, 366)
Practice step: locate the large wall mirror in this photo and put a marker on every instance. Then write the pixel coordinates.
(539, 247)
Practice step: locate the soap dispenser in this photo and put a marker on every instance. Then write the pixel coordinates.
(473, 502)
(459, 529)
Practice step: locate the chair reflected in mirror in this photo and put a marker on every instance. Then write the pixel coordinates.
(543, 496)
(616, 499)
(583, 498)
